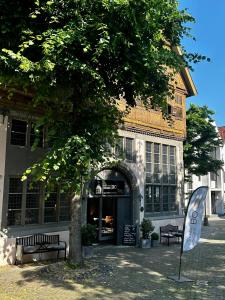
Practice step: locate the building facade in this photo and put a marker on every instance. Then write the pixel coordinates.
(215, 182)
(148, 183)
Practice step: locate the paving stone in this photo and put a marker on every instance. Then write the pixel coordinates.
(127, 273)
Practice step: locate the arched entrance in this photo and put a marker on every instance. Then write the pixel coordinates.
(109, 204)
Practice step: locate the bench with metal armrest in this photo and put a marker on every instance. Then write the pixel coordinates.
(170, 232)
(38, 243)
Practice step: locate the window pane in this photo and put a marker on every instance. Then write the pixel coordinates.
(148, 199)
(15, 185)
(14, 217)
(148, 156)
(129, 149)
(119, 147)
(156, 199)
(32, 203)
(18, 132)
(50, 208)
(148, 167)
(172, 198)
(148, 147)
(50, 215)
(64, 214)
(32, 216)
(15, 201)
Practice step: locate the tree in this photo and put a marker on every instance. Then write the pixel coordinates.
(77, 58)
(201, 142)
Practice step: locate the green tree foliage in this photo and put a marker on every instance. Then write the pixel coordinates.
(202, 140)
(77, 58)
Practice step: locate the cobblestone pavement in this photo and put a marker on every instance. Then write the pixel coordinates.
(130, 274)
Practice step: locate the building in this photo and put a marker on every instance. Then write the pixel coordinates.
(222, 135)
(215, 182)
(149, 183)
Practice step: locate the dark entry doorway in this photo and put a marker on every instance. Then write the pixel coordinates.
(109, 205)
(102, 213)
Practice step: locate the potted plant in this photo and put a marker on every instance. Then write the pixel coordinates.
(154, 239)
(88, 235)
(146, 229)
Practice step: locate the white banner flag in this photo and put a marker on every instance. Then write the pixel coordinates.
(193, 221)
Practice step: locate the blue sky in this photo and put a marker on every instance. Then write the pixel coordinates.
(209, 31)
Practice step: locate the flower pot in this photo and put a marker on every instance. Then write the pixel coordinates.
(145, 243)
(87, 251)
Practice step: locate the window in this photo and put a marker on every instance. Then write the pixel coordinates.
(169, 109)
(160, 192)
(129, 149)
(18, 133)
(50, 206)
(25, 201)
(119, 147)
(178, 99)
(64, 214)
(177, 112)
(15, 201)
(157, 170)
(149, 162)
(32, 203)
(36, 136)
(125, 146)
(213, 176)
(172, 165)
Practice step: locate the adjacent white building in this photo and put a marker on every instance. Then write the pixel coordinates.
(215, 182)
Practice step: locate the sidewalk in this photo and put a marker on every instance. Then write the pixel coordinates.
(126, 273)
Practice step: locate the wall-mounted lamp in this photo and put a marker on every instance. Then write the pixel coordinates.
(98, 189)
(3, 113)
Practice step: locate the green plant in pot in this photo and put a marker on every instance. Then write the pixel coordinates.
(146, 229)
(154, 239)
(89, 235)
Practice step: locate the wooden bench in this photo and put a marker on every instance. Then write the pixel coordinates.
(168, 232)
(38, 243)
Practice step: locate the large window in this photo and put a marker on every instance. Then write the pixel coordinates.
(160, 193)
(64, 210)
(27, 204)
(18, 133)
(15, 201)
(24, 133)
(178, 99)
(125, 146)
(32, 203)
(50, 210)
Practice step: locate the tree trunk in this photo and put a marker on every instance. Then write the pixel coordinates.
(75, 253)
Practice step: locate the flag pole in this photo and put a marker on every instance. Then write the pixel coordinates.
(182, 242)
(181, 248)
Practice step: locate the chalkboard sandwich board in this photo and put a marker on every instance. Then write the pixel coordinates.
(129, 235)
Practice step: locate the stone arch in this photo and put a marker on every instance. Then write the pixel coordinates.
(121, 169)
(135, 191)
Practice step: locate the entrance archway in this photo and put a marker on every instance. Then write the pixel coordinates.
(110, 204)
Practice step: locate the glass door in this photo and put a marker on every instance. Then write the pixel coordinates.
(101, 212)
(107, 219)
